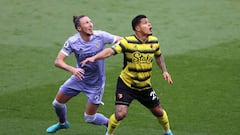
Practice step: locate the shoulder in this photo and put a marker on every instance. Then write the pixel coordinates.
(153, 39)
(100, 32)
(106, 37)
(130, 39)
(74, 38)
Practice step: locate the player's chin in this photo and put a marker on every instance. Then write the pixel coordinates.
(150, 34)
(90, 33)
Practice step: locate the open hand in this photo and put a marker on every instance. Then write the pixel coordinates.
(78, 72)
(167, 77)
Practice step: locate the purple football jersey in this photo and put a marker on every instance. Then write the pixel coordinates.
(94, 77)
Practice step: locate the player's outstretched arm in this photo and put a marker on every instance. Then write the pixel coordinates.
(107, 52)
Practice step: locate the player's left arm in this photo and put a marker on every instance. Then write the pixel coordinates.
(161, 63)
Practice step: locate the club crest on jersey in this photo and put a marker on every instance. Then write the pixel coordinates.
(151, 46)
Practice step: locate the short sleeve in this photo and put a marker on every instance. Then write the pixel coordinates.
(158, 50)
(108, 38)
(66, 49)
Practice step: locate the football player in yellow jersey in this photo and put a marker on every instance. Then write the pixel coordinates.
(139, 50)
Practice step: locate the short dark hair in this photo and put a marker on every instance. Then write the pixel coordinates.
(136, 21)
(76, 20)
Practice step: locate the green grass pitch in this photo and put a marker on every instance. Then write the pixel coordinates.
(200, 40)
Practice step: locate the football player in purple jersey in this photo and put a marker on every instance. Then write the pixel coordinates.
(89, 80)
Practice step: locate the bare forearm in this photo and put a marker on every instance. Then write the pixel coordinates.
(60, 62)
(107, 52)
(161, 63)
(62, 65)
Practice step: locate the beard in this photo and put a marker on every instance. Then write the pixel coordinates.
(89, 34)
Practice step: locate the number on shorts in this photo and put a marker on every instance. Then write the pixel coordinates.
(153, 95)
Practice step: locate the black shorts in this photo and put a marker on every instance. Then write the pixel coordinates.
(125, 95)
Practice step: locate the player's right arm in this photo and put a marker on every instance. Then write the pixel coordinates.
(60, 63)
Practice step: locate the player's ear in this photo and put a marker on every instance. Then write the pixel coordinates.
(79, 28)
(137, 28)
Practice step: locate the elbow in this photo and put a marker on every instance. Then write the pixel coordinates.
(56, 63)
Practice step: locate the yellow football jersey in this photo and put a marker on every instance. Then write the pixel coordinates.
(138, 58)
